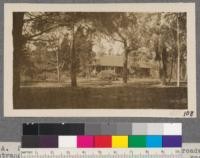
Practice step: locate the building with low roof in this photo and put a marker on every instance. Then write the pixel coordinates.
(137, 68)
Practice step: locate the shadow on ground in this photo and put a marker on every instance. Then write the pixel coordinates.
(131, 96)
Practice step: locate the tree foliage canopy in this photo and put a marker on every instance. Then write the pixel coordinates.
(67, 38)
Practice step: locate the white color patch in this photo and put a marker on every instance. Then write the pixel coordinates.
(172, 129)
(67, 141)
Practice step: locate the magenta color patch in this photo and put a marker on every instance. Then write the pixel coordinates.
(85, 141)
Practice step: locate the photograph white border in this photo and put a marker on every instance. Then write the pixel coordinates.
(9, 8)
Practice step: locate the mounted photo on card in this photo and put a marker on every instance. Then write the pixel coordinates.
(100, 60)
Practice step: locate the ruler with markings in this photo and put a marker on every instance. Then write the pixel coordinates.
(101, 153)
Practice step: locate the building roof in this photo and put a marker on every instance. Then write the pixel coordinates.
(117, 61)
(109, 60)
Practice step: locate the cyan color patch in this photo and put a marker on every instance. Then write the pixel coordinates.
(154, 141)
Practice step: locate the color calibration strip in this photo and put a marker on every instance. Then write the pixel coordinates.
(112, 135)
(131, 141)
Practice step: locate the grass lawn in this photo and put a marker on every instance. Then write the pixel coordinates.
(132, 96)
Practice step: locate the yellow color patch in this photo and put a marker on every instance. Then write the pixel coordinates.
(120, 141)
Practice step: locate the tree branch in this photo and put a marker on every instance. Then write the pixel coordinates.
(32, 17)
(118, 32)
(42, 32)
(40, 39)
(113, 38)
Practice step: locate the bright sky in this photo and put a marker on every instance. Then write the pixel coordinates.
(108, 46)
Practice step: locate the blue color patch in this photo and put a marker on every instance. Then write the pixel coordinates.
(154, 141)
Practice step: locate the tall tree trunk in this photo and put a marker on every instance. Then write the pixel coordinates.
(162, 53)
(125, 67)
(171, 71)
(57, 65)
(164, 65)
(178, 54)
(18, 43)
(73, 61)
(159, 48)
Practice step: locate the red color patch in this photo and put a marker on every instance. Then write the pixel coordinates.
(103, 141)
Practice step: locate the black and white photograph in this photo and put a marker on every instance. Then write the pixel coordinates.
(101, 59)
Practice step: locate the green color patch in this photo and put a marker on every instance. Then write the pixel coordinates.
(137, 141)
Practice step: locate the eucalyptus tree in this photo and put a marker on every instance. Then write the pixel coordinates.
(33, 26)
(26, 26)
(18, 41)
(168, 34)
(178, 31)
(123, 28)
(172, 36)
(79, 33)
(83, 48)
